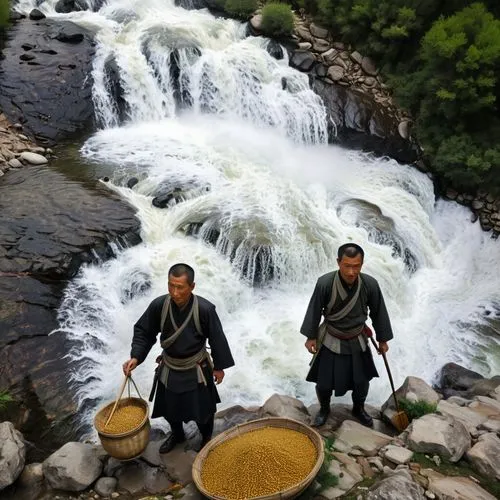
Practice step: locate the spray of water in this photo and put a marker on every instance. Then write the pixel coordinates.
(269, 202)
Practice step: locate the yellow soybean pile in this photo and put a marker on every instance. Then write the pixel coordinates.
(126, 418)
(258, 463)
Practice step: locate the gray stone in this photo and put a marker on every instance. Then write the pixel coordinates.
(356, 57)
(336, 73)
(112, 465)
(33, 158)
(15, 163)
(318, 31)
(151, 454)
(320, 45)
(285, 406)
(256, 22)
(105, 486)
(302, 60)
(484, 387)
(470, 418)
(304, 33)
(305, 45)
(396, 454)
(352, 435)
(396, 487)
(190, 492)
(73, 467)
(132, 477)
(368, 66)
(477, 204)
(457, 488)
(31, 474)
(12, 454)
(404, 129)
(439, 434)
(178, 464)
(156, 480)
(485, 456)
(492, 425)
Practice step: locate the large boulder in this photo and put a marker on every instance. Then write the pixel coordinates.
(455, 380)
(396, 487)
(12, 454)
(485, 456)
(358, 122)
(73, 467)
(45, 78)
(286, 406)
(413, 389)
(439, 434)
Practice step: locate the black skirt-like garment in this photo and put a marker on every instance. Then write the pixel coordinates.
(341, 372)
(198, 404)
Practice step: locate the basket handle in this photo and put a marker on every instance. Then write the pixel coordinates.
(120, 394)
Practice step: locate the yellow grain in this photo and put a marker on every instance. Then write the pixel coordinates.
(258, 463)
(125, 418)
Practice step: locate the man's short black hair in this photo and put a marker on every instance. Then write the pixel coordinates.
(350, 250)
(181, 269)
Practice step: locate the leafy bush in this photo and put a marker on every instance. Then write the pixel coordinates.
(5, 399)
(416, 409)
(325, 478)
(277, 19)
(4, 12)
(240, 9)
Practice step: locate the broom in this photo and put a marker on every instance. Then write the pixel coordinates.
(400, 420)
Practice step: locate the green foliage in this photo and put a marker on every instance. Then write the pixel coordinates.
(416, 409)
(325, 478)
(4, 12)
(5, 399)
(241, 9)
(277, 19)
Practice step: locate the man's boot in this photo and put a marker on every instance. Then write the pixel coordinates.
(358, 410)
(176, 436)
(324, 408)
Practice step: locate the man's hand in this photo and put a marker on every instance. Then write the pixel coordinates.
(130, 365)
(311, 345)
(383, 347)
(218, 376)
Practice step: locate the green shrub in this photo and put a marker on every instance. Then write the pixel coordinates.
(5, 399)
(277, 19)
(4, 12)
(416, 409)
(240, 9)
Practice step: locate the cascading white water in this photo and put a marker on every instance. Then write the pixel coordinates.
(252, 150)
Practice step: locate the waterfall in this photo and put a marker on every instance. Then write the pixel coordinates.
(265, 203)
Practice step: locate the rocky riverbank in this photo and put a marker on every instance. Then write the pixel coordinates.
(453, 453)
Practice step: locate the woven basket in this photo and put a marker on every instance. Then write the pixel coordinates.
(127, 445)
(238, 430)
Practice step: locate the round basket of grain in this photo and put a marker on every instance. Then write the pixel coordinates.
(123, 425)
(269, 458)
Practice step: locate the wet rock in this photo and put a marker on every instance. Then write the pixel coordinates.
(368, 66)
(302, 60)
(62, 84)
(132, 182)
(116, 90)
(36, 15)
(362, 123)
(105, 486)
(336, 73)
(274, 49)
(256, 22)
(33, 158)
(454, 379)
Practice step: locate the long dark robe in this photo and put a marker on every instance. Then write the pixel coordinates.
(184, 398)
(352, 366)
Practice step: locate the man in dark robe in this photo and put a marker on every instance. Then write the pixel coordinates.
(342, 358)
(185, 388)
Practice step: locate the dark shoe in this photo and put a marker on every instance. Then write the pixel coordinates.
(360, 413)
(321, 417)
(171, 441)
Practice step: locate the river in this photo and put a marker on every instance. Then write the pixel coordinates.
(272, 202)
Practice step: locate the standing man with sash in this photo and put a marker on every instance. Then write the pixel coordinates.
(185, 376)
(342, 359)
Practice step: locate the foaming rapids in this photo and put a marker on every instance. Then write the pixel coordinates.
(264, 203)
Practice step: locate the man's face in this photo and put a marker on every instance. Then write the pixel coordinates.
(350, 267)
(180, 290)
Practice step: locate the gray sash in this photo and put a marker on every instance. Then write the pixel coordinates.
(184, 364)
(332, 340)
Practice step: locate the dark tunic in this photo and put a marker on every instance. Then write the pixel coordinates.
(184, 399)
(352, 366)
